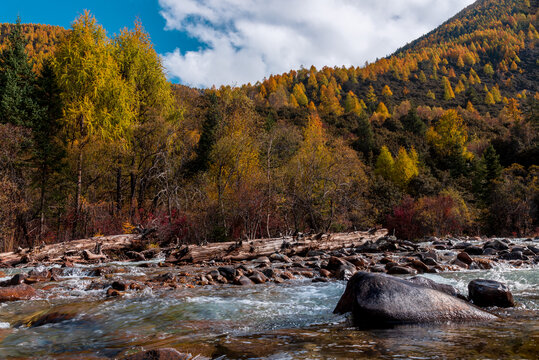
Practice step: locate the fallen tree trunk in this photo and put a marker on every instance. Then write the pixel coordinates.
(247, 250)
(90, 249)
(74, 249)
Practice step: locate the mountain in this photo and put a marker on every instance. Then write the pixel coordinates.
(442, 137)
(42, 39)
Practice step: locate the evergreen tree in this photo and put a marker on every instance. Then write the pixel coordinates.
(49, 151)
(17, 82)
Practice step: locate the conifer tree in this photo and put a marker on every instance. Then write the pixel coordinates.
(299, 94)
(18, 104)
(386, 91)
(448, 90)
(385, 163)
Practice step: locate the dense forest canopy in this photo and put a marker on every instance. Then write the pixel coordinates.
(439, 138)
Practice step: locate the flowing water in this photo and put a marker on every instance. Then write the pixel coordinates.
(276, 321)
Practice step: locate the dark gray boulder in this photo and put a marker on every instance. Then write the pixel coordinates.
(490, 293)
(379, 300)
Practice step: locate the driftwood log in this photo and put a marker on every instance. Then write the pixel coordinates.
(252, 249)
(93, 249)
(70, 250)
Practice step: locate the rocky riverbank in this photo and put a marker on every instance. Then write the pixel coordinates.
(256, 262)
(134, 268)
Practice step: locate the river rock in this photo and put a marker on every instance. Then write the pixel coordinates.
(228, 272)
(465, 257)
(490, 293)
(243, 280)
(516, 255)
(496, 245)
(161, 354)
(380, 300)
(474, 250)
(448, 289)
(15, 280)
(403, 270)
(17, 292)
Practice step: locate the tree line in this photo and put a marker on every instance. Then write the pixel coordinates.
(96, 141)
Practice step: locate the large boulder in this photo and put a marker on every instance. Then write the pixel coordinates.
(490, 293)
(378, 300)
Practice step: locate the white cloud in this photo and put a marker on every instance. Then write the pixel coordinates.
(247, 40)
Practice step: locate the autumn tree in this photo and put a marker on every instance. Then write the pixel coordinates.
(448, 90)
(448, 138)
(97, 101)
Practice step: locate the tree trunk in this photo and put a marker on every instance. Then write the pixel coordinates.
(118, 190)
(78, 191)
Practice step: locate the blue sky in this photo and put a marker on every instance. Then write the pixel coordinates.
(114, 15)
(216, 42)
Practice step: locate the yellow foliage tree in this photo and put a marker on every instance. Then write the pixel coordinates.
(449, 136)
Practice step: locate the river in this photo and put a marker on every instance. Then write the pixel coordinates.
(293, 320)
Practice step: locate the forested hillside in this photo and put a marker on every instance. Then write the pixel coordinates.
(440, 138)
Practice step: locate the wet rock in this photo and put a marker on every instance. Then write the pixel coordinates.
(17, 292)
(517, 255)
(490, 251)
(377, 269)
(269, 272)
(403, 270)
(100, 271)
(380, 300)
(135, 256)
(465, 258)
(419, 265)
(165, 278)
(320, 279)
(120, 286)
(325, 273)
(496, 245)
(462, 245)
(258, 277)
(15, 280)
(243, 280)
(430, 261)
(262, 260)
(50, 318)
(474, 250)
(280, 258)
(228, 272)
(162, 354)
(287, 275)
(460, 263)
(431, 284)
(484, 264)
(490, 293)
(113, 292)
(534, 249)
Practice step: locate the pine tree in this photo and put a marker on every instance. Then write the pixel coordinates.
(18, 104)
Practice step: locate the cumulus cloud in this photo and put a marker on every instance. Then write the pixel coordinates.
(247, 40)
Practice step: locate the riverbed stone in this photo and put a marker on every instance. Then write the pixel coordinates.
(378, 300)
(403, 270)
(465, 257)
(162, 354)
(17, 292)
(496, 245)
(423, 281)
(490, 293)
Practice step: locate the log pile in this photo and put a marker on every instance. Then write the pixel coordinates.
(95, 249)
(252, 249)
